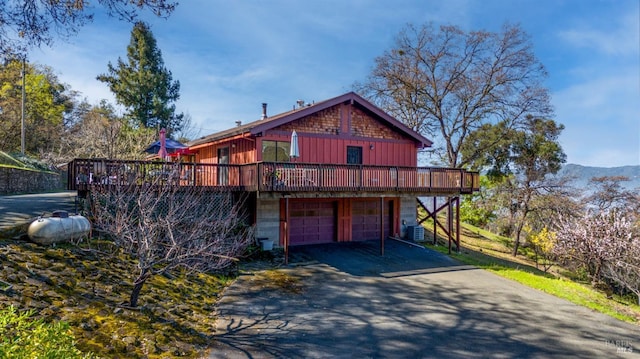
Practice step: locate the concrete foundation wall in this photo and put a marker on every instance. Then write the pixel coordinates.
(268, 219)
(408, 214)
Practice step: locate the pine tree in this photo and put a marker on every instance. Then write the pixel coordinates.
(143, 85)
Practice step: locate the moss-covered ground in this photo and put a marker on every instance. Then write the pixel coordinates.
(89, 288)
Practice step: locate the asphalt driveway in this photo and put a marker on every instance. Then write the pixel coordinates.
(20, 209)
(345, 301)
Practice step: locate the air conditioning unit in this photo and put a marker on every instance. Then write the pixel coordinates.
(415, 233)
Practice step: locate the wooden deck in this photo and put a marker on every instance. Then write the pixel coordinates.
(274, 177)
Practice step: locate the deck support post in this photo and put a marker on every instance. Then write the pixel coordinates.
(452, 231)
(382, 226)
(449, 221)
(457, 200)
(435, 222)
(286, 230)
(434, 214)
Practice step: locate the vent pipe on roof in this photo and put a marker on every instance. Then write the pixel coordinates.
(238, 123)
(264, 111)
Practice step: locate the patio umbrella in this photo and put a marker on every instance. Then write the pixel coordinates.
(162, 153)
(171, 146)
(294, 151)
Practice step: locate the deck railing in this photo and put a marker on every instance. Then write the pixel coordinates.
(273, 176)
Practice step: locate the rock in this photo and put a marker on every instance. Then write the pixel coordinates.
(51, 294)
(130, 340)
(84, 285)
(47, 280)
(48, 312)
(161, 338)
(68, 284)
(34, 304)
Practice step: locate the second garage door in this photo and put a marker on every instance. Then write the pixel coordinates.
(366, 219)
(312, 222)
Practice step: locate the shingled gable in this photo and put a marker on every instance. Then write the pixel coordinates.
(257, 128)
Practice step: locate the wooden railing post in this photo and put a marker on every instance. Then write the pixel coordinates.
(259, 180)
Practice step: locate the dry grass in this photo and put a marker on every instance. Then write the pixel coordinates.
(277, 280)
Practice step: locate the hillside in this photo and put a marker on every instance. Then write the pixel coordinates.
(581, 175)
(89, 289)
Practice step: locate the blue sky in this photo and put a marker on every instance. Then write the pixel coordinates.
(230, 56)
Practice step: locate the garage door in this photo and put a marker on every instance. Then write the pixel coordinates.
(365, 216)
(312, 222)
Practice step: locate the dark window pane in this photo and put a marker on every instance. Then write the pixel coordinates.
(354, 155)
(275, 151)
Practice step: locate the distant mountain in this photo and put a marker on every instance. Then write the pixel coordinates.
(583, 174)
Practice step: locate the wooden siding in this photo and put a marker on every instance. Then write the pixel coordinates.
(322, 138)
(326, 122)
(241, 151)
(363, 125)
(333, 150)
(207, 155)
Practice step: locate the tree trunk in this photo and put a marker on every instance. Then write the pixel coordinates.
(137, 287)
(516, 244)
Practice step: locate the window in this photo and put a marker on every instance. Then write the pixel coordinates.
(354, 155)
(275, 151)
(223, 171)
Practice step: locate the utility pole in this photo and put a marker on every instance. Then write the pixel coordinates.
(22, 144)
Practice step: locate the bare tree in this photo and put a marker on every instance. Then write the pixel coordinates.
(99, 132)
(446, 83)
(165, 226)
(189, 130)
(25, 23)
(626, 274)
(609, 194)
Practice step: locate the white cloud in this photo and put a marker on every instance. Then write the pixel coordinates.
(602, 119)
(620, 37)
(598, 97)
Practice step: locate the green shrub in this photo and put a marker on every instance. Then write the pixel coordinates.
(24, 337)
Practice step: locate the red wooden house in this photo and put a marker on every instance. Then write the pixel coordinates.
(353, 175)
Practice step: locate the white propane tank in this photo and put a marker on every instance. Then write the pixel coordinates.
(60, 227)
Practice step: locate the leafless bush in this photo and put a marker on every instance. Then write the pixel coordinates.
(625, 273)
